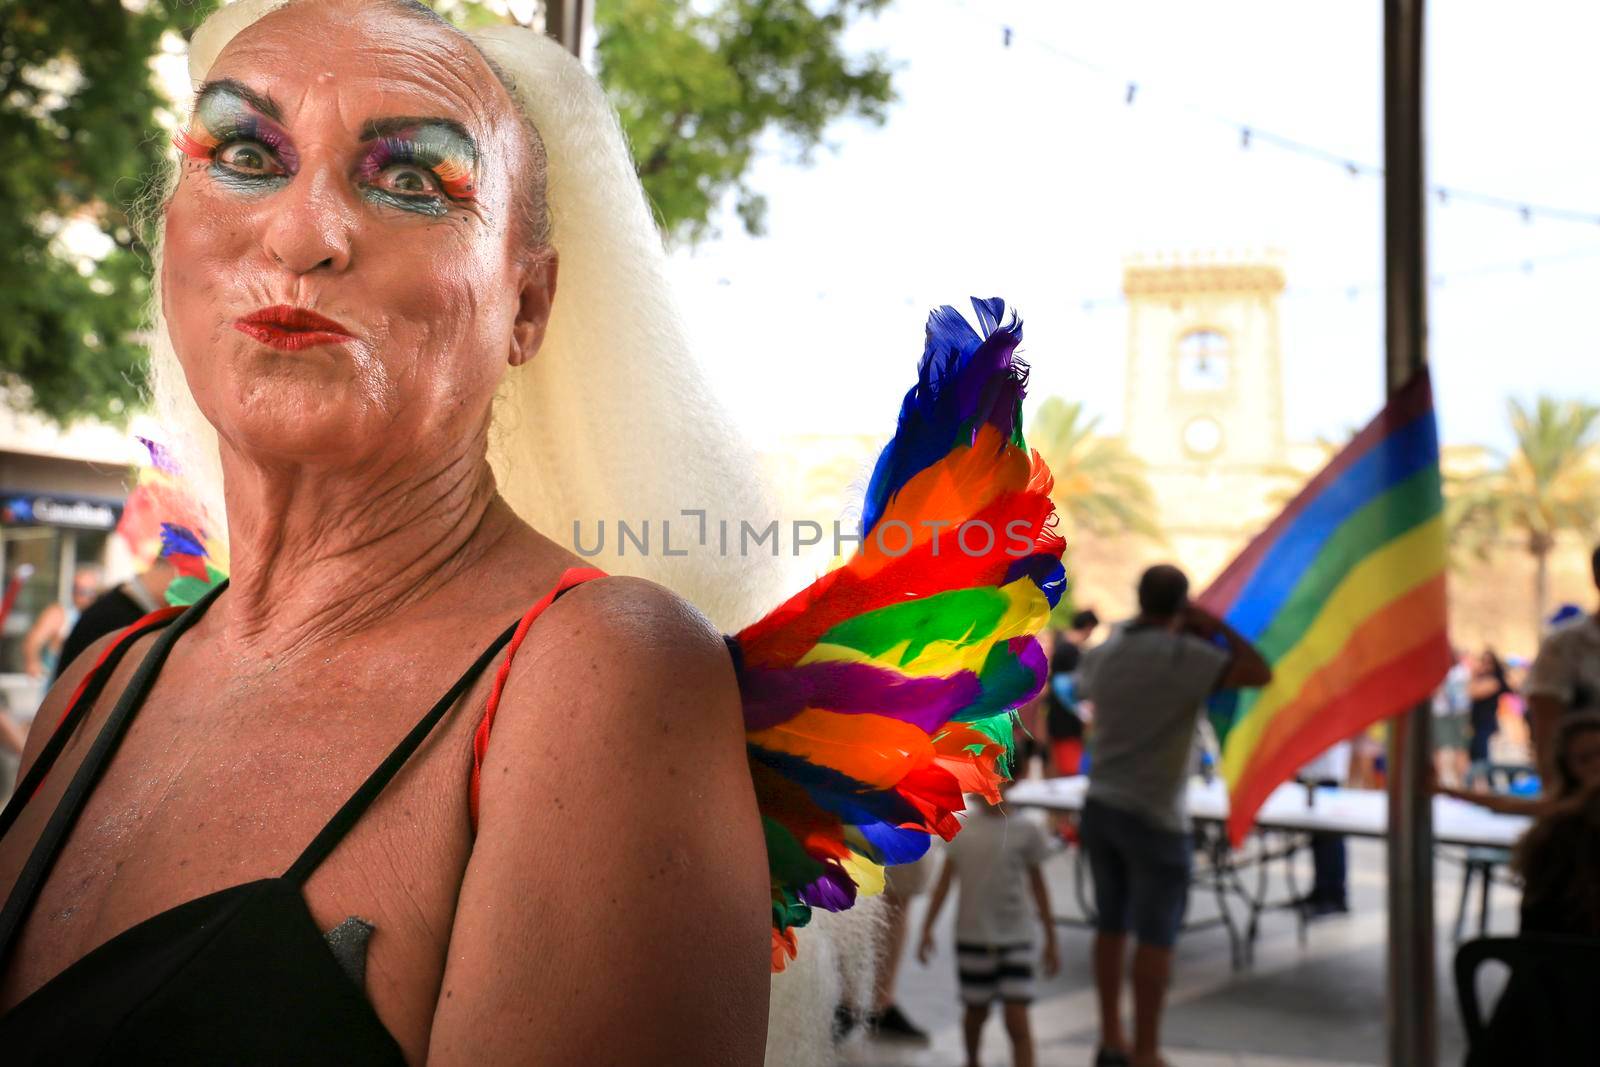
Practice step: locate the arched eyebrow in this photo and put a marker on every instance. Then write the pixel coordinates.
(374, 129)
(261, 102)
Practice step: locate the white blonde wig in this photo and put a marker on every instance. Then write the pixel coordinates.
(613, 419)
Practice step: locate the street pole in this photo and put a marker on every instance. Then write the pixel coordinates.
(567, 21)
(1412, 1005)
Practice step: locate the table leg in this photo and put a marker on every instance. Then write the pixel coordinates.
(1220, 856)
(1483, 900)
(1302, 920)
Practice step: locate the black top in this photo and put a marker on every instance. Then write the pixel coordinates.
(111, 611)
(239, 976)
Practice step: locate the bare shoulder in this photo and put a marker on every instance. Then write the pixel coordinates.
(615, 608)
(59, 698)
(625, 635)
(615, 782)
(623, 672)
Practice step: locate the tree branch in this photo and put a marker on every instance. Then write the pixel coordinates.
(658, 159)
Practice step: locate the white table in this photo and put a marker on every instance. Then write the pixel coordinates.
(1280, 829)
(1292, 807)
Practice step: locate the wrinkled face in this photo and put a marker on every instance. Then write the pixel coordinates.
(346, 271)
(1583, 758)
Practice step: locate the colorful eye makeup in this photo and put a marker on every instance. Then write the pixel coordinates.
(415, 164)
(435, 147)
(226, 114)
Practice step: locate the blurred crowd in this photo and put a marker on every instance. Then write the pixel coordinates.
(1125, 707)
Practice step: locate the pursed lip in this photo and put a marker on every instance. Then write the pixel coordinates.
(292, 328)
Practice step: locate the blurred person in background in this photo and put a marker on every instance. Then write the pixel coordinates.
(1558, 862)
(1149, 682)
(884, 1019)
(1565, 676)
(996, 861)
(13, 736)
(1573, 783)
(1487, 686)
(1065, 720)
(1452, 710)
(118, 607)
(43, 645)
(1329, 895)
(1559, 857)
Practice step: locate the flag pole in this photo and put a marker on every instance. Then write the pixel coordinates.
(1411, 1003)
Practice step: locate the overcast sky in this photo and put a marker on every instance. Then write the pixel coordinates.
(1020, 172)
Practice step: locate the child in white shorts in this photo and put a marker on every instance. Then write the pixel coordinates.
(996, 857)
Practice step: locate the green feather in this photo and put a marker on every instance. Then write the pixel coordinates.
(961, 616)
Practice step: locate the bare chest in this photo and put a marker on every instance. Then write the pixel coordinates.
(221, 780)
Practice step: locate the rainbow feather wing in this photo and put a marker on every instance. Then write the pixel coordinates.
(878, 696)
(162, 497)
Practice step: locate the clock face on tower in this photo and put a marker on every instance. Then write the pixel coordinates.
(1202, 437)
(1204, 357)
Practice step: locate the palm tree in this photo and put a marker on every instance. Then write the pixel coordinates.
(1548, 486)
(1100, 486)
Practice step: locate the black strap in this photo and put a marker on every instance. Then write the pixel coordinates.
(330, 836)
(48, 847)
(29, 785)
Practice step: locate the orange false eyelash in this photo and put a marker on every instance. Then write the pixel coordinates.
(193, 147)
(456, 178)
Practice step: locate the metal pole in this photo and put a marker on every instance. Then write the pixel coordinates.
(566, 21)
(1412, 1005)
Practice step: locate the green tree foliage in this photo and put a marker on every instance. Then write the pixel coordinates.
(1100, 488)
(77, 100)
(698, 84)
(1549, 485)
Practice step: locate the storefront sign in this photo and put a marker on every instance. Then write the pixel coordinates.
(34, 509)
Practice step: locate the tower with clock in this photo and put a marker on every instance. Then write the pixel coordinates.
(1205, 397)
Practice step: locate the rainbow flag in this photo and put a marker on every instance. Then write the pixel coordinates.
(1344, 594)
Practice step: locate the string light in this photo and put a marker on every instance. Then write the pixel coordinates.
(1251, 135)
(1353, 292)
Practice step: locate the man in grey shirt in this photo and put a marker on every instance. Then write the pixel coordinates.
(1148, 683)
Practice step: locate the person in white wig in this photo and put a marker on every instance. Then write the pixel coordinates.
(411, 327)
(374, 553)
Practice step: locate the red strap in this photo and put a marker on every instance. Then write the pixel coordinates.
(155, 616)
(123, 637)
(480, 740)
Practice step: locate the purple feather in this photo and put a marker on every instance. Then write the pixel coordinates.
(160, 458)
(834, 891)
(772, 697)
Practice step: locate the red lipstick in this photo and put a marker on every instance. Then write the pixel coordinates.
(292, 328)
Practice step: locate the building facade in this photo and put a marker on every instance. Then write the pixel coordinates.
(61, 496)
(1204, 412)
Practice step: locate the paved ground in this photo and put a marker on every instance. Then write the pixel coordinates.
(1317, 1006)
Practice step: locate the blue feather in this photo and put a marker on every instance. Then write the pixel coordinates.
(895, 844)
(965, 380)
